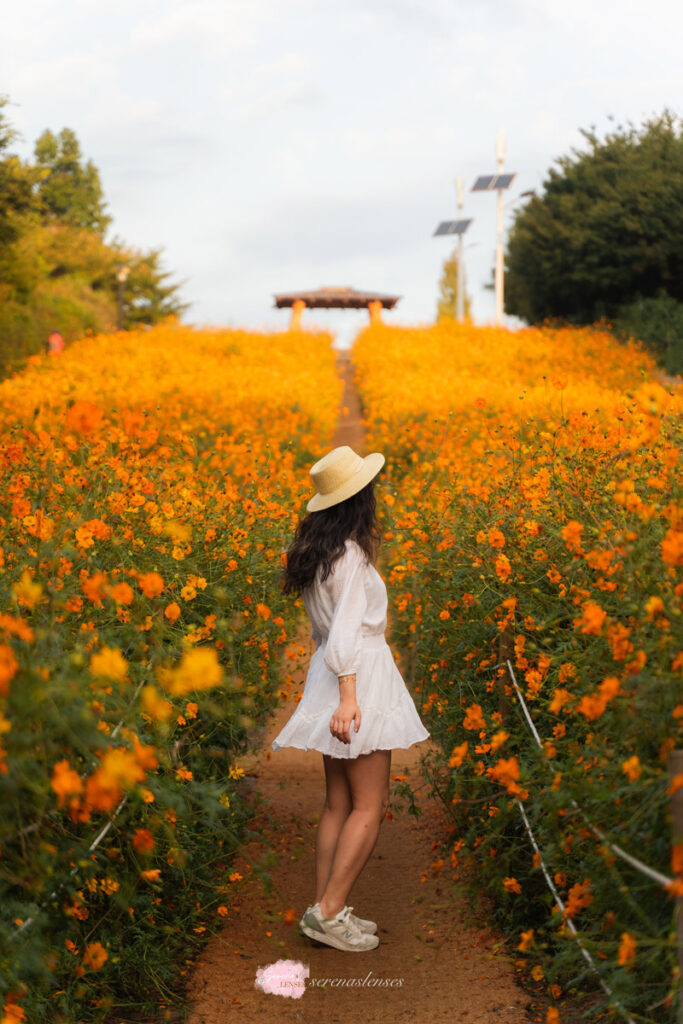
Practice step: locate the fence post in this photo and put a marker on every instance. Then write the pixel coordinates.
(675, 766)
(506, 649)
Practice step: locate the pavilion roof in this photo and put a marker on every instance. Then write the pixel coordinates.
(335, 298)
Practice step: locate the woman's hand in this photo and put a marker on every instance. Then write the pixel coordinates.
(347, 713)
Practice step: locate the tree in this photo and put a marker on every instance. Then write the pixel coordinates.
(17, 185)
(56, 270)
(607, 229)
(148, 294)
(69, 189)
(447, 307)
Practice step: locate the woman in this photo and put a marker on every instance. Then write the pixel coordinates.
(355, 707)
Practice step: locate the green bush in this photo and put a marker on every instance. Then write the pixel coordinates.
(658, 323)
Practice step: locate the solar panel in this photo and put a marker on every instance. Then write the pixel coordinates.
(490, 182)
(503, 180)
(483, 183)
(452, 227)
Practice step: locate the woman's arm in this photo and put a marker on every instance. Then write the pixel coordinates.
(343, 649)
(348, 711)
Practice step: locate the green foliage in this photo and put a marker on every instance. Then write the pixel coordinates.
(149, 296)
(658, 323)
(69, 189)
(56, 270)
(17, 183)
(606, 231)
(447, 306)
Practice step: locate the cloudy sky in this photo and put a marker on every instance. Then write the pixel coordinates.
(272, 145)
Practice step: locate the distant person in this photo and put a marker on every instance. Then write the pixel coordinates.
(55, 343)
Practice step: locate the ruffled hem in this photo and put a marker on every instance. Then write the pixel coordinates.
(389, 718)
(397, 728)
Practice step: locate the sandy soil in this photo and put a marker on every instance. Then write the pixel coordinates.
(435, 962)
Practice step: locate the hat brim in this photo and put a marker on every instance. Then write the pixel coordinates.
(371, 466)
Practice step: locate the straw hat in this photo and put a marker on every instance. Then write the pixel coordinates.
(341, 473)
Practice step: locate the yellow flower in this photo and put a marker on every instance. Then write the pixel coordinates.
(199, 670)
(110, 663)
(26, 592)
(154, 704)
(151, 874)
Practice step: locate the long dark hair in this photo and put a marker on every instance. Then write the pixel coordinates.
(320, 536)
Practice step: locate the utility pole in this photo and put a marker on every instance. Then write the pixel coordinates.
(500, 156)
(460, 307)
(457, 227)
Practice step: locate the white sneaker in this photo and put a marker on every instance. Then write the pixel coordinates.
(363, 924)
(339, 931)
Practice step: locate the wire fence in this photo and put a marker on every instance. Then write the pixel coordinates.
(634, 862)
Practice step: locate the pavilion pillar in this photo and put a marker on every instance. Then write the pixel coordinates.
(375, 311)
(298, 306)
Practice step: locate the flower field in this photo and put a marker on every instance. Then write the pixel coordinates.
(150, 482)
(533, 516)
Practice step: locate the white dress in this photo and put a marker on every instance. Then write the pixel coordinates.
(348, 614)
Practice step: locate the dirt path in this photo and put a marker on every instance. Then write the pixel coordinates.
(433, 964)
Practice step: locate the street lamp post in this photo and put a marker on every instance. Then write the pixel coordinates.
(497, 182)
(500, 156)
(122, 273)
(457, 227)
(460, 307)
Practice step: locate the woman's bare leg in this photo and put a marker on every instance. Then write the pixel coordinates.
(368, 779)
(335, 812)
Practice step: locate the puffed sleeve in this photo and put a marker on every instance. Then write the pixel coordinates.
(347, 586)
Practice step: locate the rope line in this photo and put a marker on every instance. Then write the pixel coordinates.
(572, 927)
(645, 869)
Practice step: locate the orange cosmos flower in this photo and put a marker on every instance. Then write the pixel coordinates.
(83, 417)
(143, 840)
(8, 668)
(591, 618)
(458, 755)
(95, 956)
(151, 584)
(502, 567)
(122, 593)
(474, 719)
(172, 611)
(512, 885)
(579, 897)
(632, 768)
(672, 547)
(65, 781)
(151, 874)
(627, 949)
(571, 534)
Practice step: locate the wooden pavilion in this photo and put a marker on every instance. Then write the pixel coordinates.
(335, 298)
